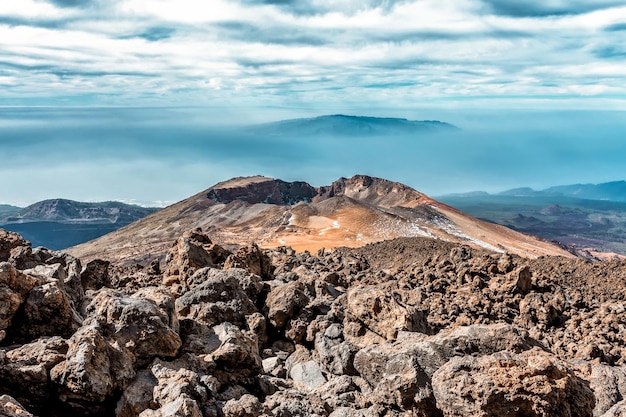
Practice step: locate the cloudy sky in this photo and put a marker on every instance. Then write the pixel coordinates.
(307, 53)
(120, 99)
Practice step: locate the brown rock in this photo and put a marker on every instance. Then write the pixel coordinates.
(93, 368)
(220, 298)
(252, 259)
(193, 251)
(284, 302)
(246, 406)
(136, 324)
(377, 313)
(95, 275)
(24, 371)
(607, 382)
(531, 383)
(48, 311)
(14, 288)
(237, 350)
(9, 407)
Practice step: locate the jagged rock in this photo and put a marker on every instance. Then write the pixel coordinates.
(48, 311)
(414, 354)
(24, 371)
(350, 412)
(345, 391)
(607, 382)
(292, 403)
(284, 302)
(542, 310)
(307, 374)
(335, 354)
(179, 407)
(252, 259)
(14, 288)
(9, 407)
(136, 324)
(237, 350)
(16, 250)
(192, 251)
(164, 302)
(95, 275)
(138, 396)
(220, 298)
(246, 406)
(377, 313)
(93, 368)
(618, 410)
(178, 391)
(531, 383)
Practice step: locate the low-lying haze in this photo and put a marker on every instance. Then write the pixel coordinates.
(157, 156)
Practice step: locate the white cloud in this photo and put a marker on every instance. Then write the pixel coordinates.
(134, 50)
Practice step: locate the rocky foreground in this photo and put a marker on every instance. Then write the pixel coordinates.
(412, 326)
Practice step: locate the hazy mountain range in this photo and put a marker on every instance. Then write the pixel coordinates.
(60, 223)
(609, 191)
(589, 216)
(346, 125)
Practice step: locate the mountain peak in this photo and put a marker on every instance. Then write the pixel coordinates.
(272, 212)
(349, 126)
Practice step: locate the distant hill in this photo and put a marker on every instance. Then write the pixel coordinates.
(7, 210)
(344, 125)
(611, 191)
(59, 223)
(350, 212)
(584, 216)
(61, 210)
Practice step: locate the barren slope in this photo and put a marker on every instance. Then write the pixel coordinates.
(350, 212)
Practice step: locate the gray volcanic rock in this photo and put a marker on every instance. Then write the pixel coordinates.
(11, 408)
(192, 251)
(531, 383)
(405, 327)
(269, 191)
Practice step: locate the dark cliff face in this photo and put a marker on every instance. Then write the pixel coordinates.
(359, 187)
(269, 192)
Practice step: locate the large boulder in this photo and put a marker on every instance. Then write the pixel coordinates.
(192, 251)
(16, 250)
(252, 259)
(137, 323)
(95, 275)
(434, 351)
(24, 371)
(607, 382)
(284, 302)
(93, 369)
(9, 407)
(335, 354)
(165, 389)
(376, 313)
(48, 311)
(533, 383)
(219, 298)
(14, 288)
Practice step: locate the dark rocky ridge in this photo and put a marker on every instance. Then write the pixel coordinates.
(375, 191)
(268, 192)
(404, 327)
